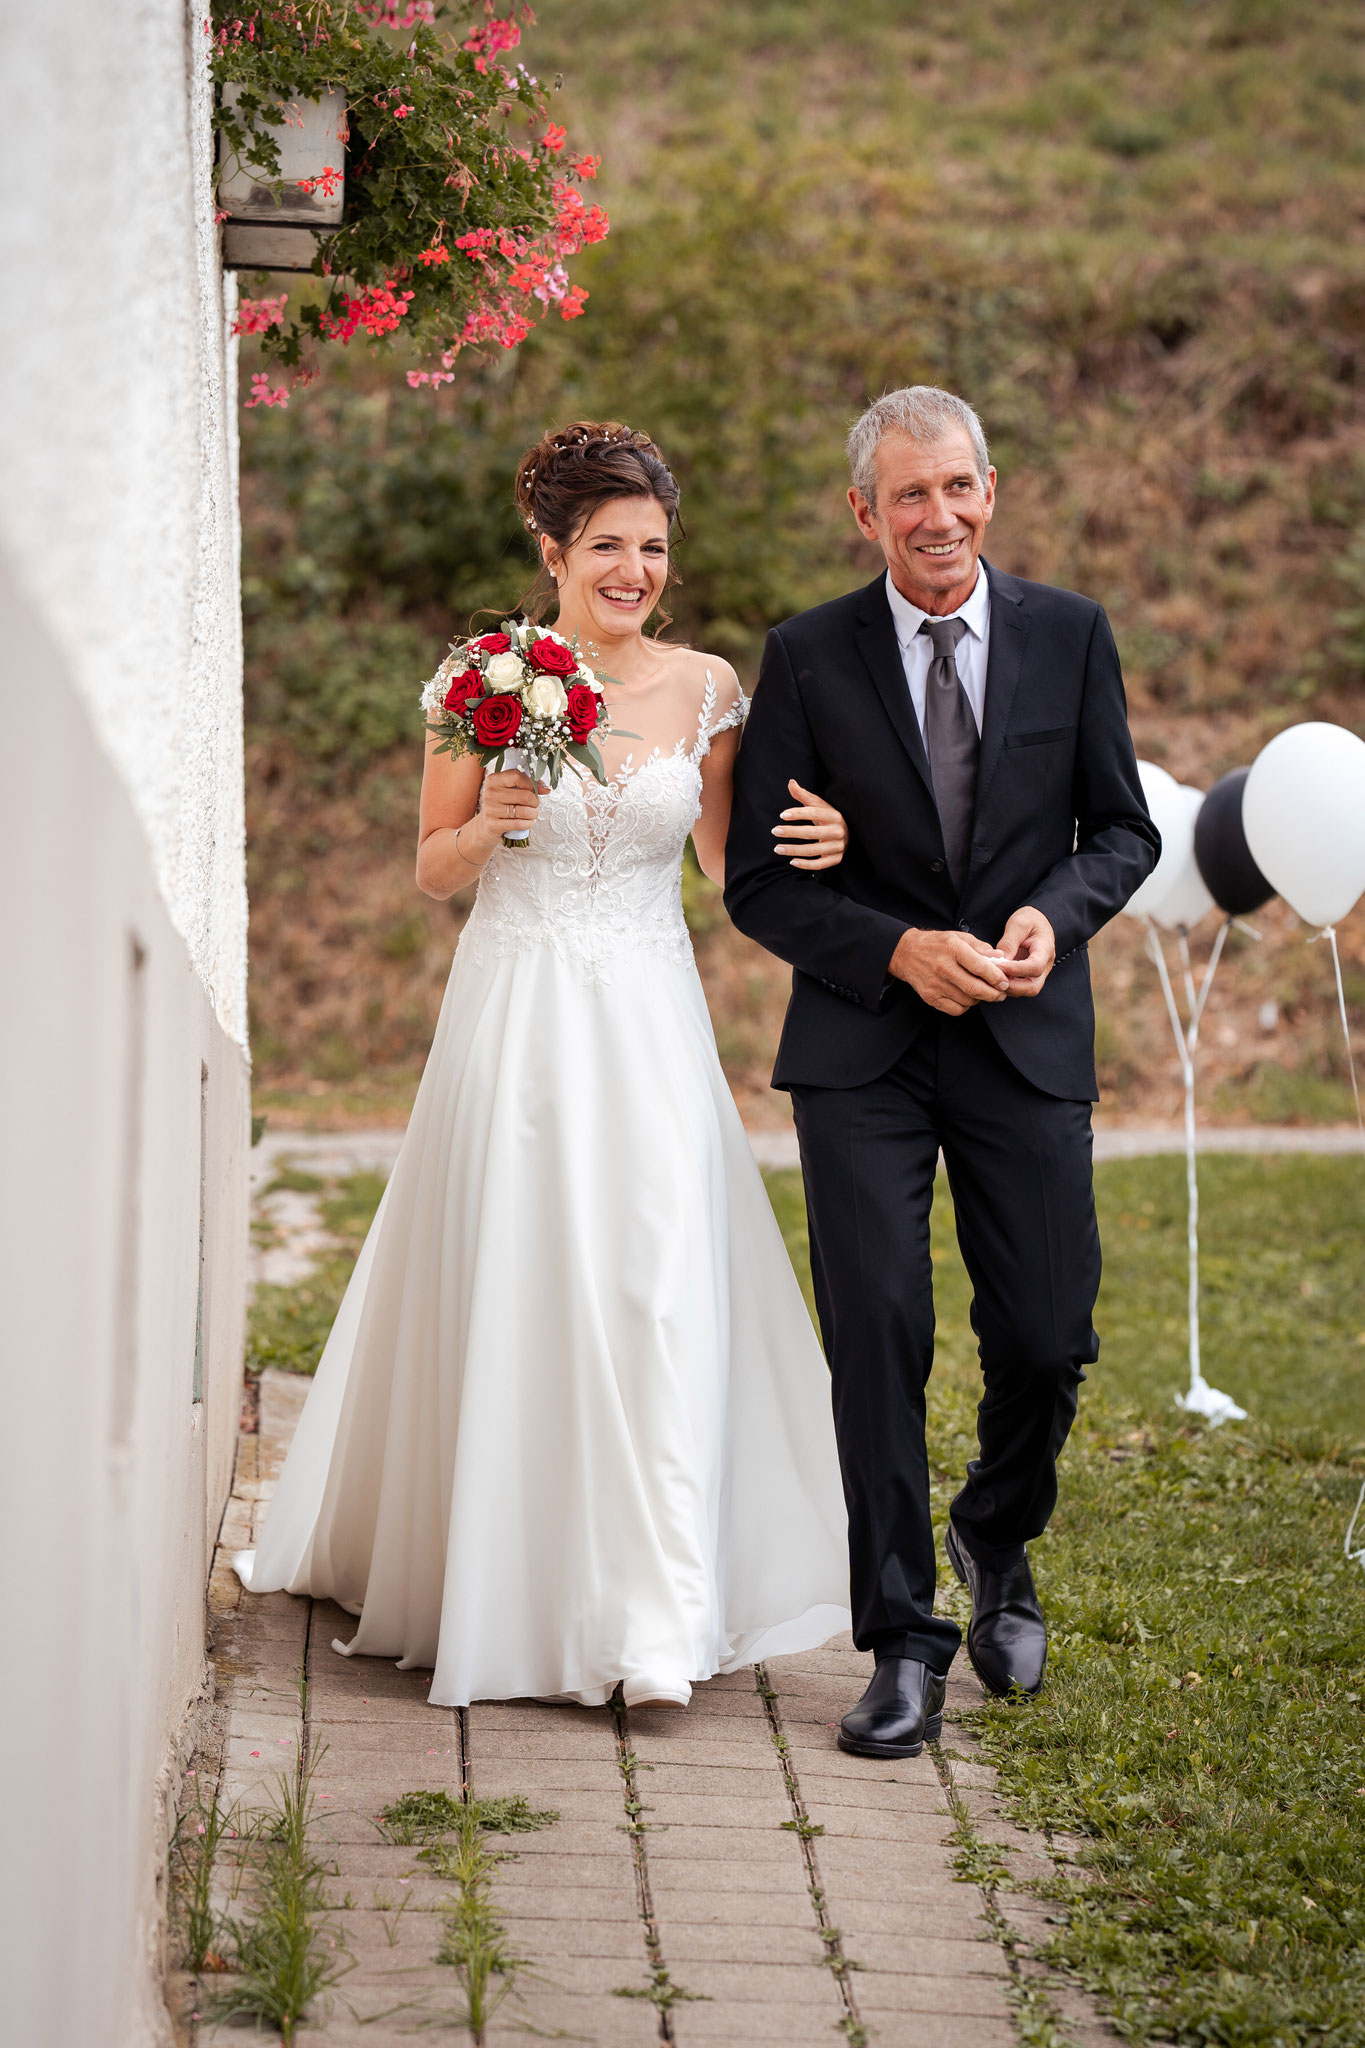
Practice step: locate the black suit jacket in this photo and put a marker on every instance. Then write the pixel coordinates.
(1061, 824)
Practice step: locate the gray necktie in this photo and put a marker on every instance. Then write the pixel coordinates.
(954, 745)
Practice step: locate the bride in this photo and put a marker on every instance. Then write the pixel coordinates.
(571, 1428)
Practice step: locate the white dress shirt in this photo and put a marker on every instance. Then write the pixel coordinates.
(917, 649)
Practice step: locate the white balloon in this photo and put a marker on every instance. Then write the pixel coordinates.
(1186, 898)
(1303, 812)
(1173, 820)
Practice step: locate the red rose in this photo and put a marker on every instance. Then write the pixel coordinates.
(493, 643)
(552, 657)
(497, 720)
(463, 689)
(581, 711)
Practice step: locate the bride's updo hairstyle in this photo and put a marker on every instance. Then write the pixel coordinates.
(567, 476)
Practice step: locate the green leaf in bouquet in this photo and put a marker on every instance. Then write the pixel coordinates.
(587, 756)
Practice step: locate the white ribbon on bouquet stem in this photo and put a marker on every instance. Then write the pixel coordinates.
(1202, 1399)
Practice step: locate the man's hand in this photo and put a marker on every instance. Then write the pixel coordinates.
(1028, 948)
(951, 971)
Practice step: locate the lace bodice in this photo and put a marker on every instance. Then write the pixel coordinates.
(601, 873)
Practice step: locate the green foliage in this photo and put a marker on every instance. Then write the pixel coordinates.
(286, 1952)
(200, 1832)
(288, 1326)
(1201, 1728)
(427, 1816)
(986, 208)
(428, 160)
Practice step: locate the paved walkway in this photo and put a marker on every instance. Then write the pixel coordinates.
(780, 1890)
(729, 1860)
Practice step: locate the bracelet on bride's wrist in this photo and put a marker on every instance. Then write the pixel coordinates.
(477, 865)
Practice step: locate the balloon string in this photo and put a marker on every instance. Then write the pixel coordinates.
(1355, 1557)
(1182, 1047)
(1329, 932)
(1207, 983)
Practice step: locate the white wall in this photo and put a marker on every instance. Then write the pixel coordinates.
(124, 1097)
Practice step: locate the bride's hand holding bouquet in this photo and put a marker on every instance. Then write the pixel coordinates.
(521, 701)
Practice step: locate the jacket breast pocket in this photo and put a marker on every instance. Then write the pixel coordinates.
(1039, 739)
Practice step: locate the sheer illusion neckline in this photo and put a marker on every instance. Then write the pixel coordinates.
(689, 753)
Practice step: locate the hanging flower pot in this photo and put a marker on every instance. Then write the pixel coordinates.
(412, 168)
(279, 223)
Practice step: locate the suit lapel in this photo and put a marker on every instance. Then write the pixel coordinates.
(1009, 630)
(880, 649)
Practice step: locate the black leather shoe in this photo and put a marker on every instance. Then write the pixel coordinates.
(1007, 1636)
(901, 1710)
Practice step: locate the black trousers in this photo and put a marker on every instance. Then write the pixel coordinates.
(1019, 1165)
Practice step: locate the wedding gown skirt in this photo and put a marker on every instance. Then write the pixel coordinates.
(571, 1426)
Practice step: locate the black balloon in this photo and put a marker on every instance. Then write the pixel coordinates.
(1221, 852)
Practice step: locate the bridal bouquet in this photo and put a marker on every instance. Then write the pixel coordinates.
(519, 698)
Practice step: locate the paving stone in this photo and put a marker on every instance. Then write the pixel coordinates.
(559, 1902)
(728, 1882)
(607, 2022)
(744, 1985)
(760, 1846)
(940, 2030)
(958, 1995)
(682, 1905)
(722, 1941)
(941, 1911)
(919, 1954)
(884, 1797)
(802, 2024)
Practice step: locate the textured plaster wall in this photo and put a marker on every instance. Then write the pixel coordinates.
(118, 489)
(124, 1083)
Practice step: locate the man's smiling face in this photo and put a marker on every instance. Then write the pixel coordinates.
(930, 517)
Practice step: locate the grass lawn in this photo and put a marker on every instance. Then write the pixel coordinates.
(1203, 1720)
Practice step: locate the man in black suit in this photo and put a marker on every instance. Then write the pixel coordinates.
(972, 729)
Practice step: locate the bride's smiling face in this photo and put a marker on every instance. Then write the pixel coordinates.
(611, 577)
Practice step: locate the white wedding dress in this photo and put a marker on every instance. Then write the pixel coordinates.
(572, 1425)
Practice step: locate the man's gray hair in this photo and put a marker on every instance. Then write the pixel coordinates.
(924, 413)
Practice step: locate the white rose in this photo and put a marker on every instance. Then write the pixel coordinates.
(545, 697)
(504, 672)
(586, 675)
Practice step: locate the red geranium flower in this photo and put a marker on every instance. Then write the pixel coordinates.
(497, 720)
(463, 689)
(581, 711)
(494, 643)
(552, 657)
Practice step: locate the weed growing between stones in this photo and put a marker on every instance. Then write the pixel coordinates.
(287, 1952)
(806, 1830)
(662, 1993)
(473, 1940)
(980, 1862)
(198, 1833)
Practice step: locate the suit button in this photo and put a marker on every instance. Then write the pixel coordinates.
(963, 925)
(936, 867)
(982, 855)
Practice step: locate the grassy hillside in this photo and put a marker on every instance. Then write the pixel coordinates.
(1132, 234)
